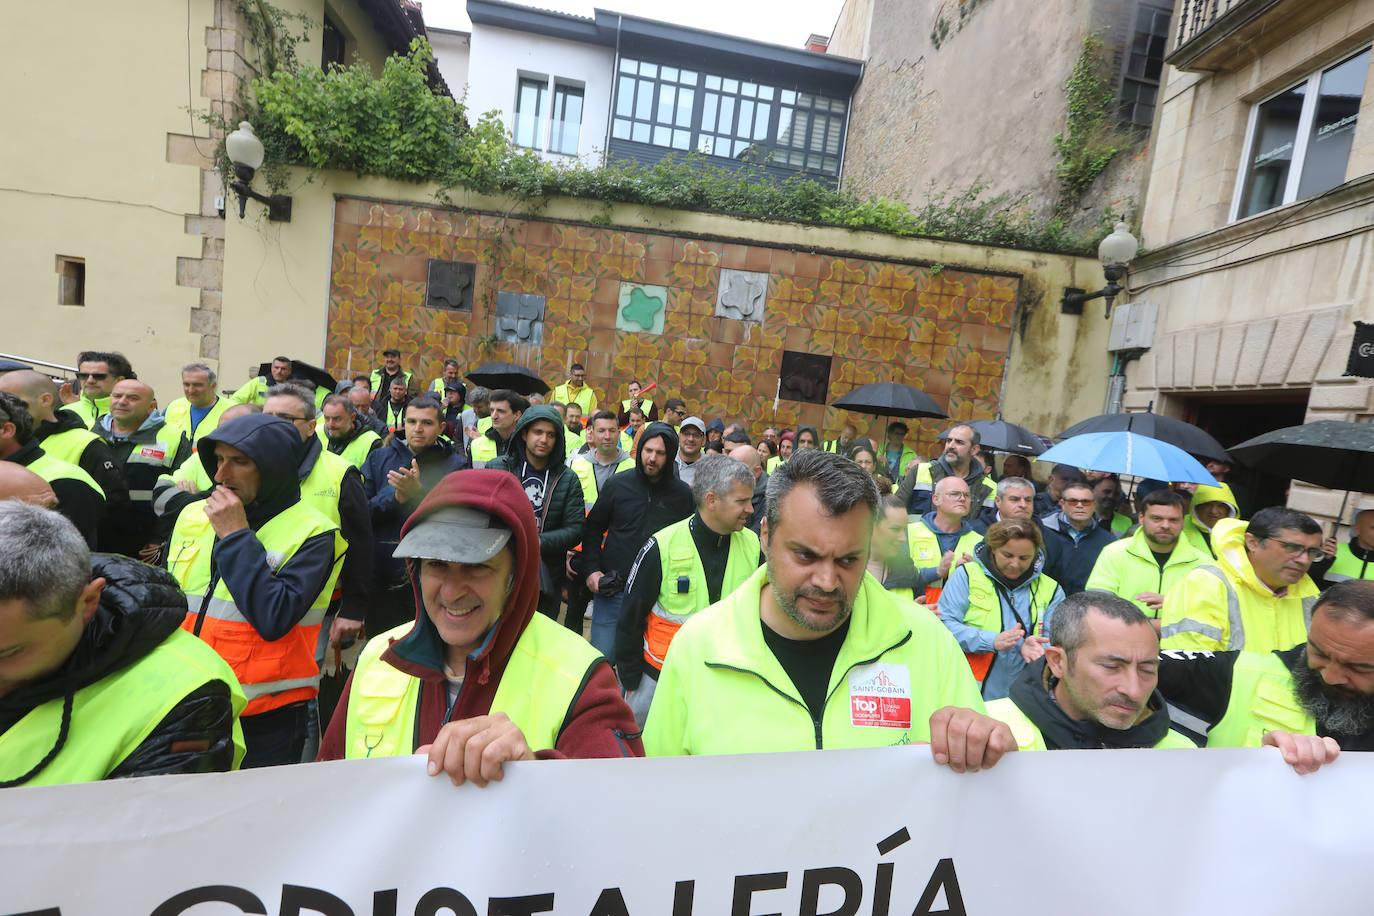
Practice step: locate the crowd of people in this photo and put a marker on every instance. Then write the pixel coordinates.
(175, 580)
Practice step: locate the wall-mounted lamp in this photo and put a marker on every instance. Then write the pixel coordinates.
(1115, 252)
(245, 152)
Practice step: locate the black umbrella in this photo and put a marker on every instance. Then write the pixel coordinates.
(12, 365)
(1191, 439)
(890, 399)
(519, 379)
(1329, 453)
(1001, 436)
(303, 372)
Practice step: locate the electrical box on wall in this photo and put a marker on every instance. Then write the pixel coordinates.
(1133, 326)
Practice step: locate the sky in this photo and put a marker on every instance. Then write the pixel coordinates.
(784, 22)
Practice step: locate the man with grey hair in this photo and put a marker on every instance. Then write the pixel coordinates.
(97, 678)
(754, 672)
(477, 416)
(1095, 686)
(1015, 499)
(199, 410)
(681, 570)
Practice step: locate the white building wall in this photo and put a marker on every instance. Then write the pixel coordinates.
(499, 57)
(451, 54)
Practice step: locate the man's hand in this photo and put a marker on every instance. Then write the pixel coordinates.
(186, 486)
(1152, 600)
(470, 432)
(225, 512)
(568, 564)
(342, 628)
(151, 554)
(1304, 753)
(1329, 546)
(1033, 647)
(1008, 638)
(967, 741)
(67, 394)
(406, 482)
(946, 561)
(594, 582)
(474, 749)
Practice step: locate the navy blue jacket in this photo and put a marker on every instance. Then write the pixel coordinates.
(1067, 561)
(389, 513)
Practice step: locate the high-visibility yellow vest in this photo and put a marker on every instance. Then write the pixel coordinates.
(376, 380)
(584, 398)
(985, 606)
(394, 417)
(89, 411)
(116, 714)
(924, 546)
(50, 469)
(645, 404)
(274, 673)
(357, 450)
(178, 417)
(542, 679)
(69, 445)
(775, 462)
(192, 470)
(925, 482)
(1262, 700)
(1029, 738)
(483, 450)
(320, 488)
(1346, 566)
(723, 691)
(582, 466)
(683, 591)
(253, 391)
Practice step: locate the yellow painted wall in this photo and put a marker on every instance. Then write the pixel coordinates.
(277, 277)
(83, 172)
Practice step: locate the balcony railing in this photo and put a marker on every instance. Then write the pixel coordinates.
(1221, 34)
(1196, 15)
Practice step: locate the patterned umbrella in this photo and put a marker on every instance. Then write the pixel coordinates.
(1329, 453)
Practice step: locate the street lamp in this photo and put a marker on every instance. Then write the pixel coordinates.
(1115, 252)
(245, 152)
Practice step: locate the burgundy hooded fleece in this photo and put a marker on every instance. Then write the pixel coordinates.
(599, 724)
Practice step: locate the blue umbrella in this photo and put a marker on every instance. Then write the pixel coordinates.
(1129, 453)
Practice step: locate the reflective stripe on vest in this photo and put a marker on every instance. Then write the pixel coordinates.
(678, 560)
(320, 489)
(1262, 700)
(924, 545)
(1346, 565)
(273, 673)
(541, 681)
(113, 716)
(1236, 625)
(50, 469)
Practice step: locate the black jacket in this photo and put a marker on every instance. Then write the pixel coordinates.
(83, 506)
(96, 459)
(1031, 692)
(1070, 562)
(388, 513)
(561, 514)
(631, 507)
(140, 607)
(355, 524)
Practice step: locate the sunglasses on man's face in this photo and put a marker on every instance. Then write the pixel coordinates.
(98, 376)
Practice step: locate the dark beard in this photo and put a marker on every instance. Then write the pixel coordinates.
(1335, 712)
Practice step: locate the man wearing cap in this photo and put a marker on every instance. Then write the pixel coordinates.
(390, 371)
(453, 395)
(691, 438)
(479, 678)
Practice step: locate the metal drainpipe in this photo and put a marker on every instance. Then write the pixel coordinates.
(615, 79)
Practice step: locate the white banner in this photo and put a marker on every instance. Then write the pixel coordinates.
(840, 833)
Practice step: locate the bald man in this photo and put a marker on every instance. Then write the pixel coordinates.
(62, 434)
(751, 458)
(144, 448)
(18, 482)
(362, 405)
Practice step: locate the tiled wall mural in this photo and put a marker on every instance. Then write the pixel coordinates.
(709, 321)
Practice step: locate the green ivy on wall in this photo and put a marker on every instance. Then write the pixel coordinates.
(1091, 136)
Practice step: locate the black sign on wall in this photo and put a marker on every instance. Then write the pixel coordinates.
(1361, 362)
(805, 377)
(450, 285)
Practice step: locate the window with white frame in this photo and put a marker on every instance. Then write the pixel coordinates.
(530, 103)
(1298, 143)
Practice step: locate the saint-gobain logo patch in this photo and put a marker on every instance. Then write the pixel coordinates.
(155, 452)
(880, 696)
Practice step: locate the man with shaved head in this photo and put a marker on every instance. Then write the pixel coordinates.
(754, 462)
(18, 482)
(64, 435)
(144, 448)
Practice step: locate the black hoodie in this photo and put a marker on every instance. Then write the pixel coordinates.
(140, 607)
(631, 507)
(561, 511)
(273, 601)
(1032, 694)
(96, 458)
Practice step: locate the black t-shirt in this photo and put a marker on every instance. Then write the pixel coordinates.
(808, 662)
(1162, 558)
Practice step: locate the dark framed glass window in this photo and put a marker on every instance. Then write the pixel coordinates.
(530, 104)
(736, 115)
(334, 46)
(654, 104)
(567, 118)
(1299, 141)
(1144, 64)
(810, 132)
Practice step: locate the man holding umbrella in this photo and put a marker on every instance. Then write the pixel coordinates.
(1352, 560)
(957, 460)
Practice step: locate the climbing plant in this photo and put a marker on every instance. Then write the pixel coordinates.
(1091, 137)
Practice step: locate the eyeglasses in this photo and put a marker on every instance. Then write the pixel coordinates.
(1076, 502)
(98, 376)
(284, 416)
(962, 497)
(1315, 553)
